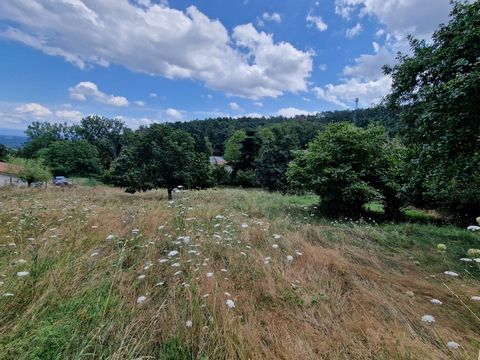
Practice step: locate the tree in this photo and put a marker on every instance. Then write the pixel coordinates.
(31, 170)
(103, 133)
(347, 167)
(160, 157)
(72, 158)
(436, 90)
(3, 152)
(233, 146)
(42, 134)
(278, 144)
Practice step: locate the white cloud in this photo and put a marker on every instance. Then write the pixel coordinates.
(322, 67)
(153, 95)
(417, 17)
(254, 115)
(33, 109)
(72, 115)
(275, 17)
(234, 106)
(258, 103)
(140, 103)
(291, 112)
(368, 92)
(369, 67)
(174, 114)
(317, 21)
(354, 31)
(87, 89)
(172, 43)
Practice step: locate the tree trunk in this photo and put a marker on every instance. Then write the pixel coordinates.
(29, 183)
(170, 197)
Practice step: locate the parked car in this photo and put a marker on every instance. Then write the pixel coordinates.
(60, 180)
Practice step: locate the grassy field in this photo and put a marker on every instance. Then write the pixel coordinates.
(94, 273)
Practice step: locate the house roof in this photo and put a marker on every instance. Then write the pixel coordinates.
(9, 168)
(217, 160)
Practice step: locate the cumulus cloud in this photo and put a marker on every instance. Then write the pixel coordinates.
(291, 112)
(87, 89)
(354, 31)
(33, 109)
(172, 43)
(72, 115)
(317, 21)
(140, 103)
(417, 17)
(275, 17)
(234, 106)
(174, 114)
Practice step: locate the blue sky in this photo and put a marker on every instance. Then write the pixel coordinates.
(158, 61)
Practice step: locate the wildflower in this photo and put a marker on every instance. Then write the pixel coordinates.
(275, 246)
(227, 294)
(141, 299)
(210, 274)
(223, 270)
(473, 253)
(205, 296)
(298, 253)
(21, 261)
(135, 232)
(477, 260)
(289, 258)
(109, 237)
(451, 273)
(230, 304)
(442, 247)
(175, 265)
(276, 236)
(22, 273)
(188, 323)
(473, 228)
(452, 345)
(94, 254)
(410, 293)
(141, 277)
(161, 261)
(475, 298)
(436, 302)
(172, 253)
(428, 319)
(244, 226)
(242, 253)
(159, 283)
(177, 273)
(7, 294)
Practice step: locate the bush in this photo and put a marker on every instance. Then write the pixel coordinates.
(348, 167)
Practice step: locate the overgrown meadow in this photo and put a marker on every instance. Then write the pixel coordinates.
(95, 273)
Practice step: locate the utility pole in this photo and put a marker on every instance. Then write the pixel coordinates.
(355, 112)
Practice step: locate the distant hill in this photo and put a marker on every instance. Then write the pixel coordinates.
(12, 141)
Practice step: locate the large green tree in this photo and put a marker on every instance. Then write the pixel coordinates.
(160, 157)
(30, 170)
(348, 167)
(42, 134)
(72, 158)
(437, 89)
(107, 135)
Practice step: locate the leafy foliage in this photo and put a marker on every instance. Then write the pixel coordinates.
(72, 158)
(436, 89)
(31, 170)
(160, 157)
(347, 167)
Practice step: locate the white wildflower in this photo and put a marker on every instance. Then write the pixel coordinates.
(452, 345)
(242, 253)
(244, 226)
(22, 273)
(230, 304)
(428, 319)
(276, 236)
(466, 260)
(223, 270)
(94, 254)
(141, 299)
(451, 273)
(275, 246)
(436, 302)
(473, 228)
(177, 273)
(141, 277)
(227, 294)
(172, 253)
(21, 261)
(188, 323)
(7, 294)
(475, 298)
(175, 265)
(298, 253)
(210, 274)
(109, 237)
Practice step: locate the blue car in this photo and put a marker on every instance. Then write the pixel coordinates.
(60, 180)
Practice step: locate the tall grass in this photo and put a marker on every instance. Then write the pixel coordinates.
(344, 294)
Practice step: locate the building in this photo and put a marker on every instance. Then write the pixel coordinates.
(217, 160)
(8, 175)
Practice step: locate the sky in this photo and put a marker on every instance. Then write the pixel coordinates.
(147, 61)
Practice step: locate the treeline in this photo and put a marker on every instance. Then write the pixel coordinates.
(421, 147)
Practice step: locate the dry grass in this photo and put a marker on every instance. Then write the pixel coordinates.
(345, 297)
